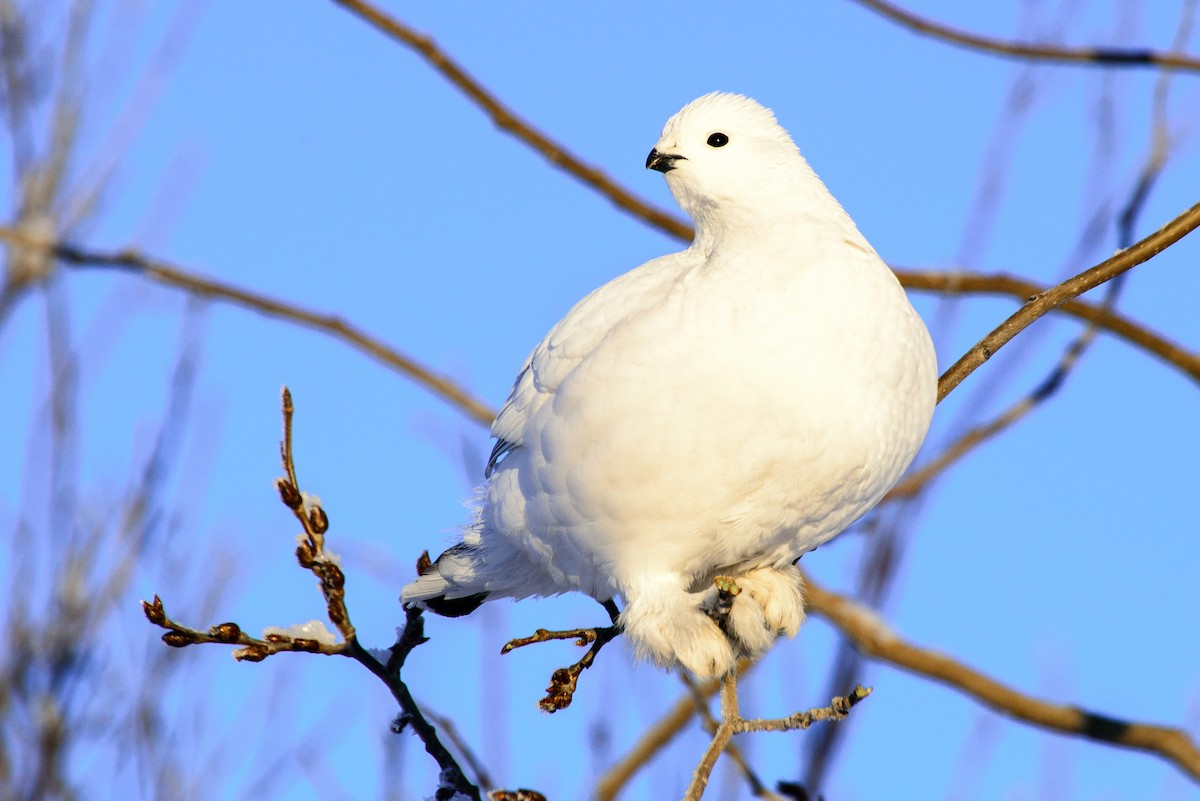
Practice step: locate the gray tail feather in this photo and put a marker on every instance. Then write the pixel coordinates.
(435, 591)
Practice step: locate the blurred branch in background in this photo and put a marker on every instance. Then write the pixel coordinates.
(75, 550)
(1155, 161)
(871, 636)
(1087, 56)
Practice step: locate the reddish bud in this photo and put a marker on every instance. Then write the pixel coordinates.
(288, 494)
(179, 639)
(154, 611)
(333, 576)
(252, 653)
(225, 632)
(304, 555)
(318, 520)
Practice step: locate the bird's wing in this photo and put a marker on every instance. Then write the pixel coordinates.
(570, 341)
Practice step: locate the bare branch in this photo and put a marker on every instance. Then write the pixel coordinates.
(733, 723)
(311, 554)
(757, 788)
(963, 282)
(332, 325)
(506, 120)
(657, 736)
(837, 709)
(720, 740)
(563, 681)
(1051, 299)
(871, 637)
(1085, 56)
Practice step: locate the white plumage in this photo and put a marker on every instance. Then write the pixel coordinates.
(719, 411)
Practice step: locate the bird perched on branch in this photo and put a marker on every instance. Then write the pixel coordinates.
(716, 412)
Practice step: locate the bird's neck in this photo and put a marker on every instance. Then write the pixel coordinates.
(801, 205)
(809, 217)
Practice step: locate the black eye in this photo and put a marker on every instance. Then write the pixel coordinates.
(718, 140)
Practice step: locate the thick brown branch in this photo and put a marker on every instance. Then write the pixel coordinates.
(955, 282)
(1087, 56)
(1056, 296)
(872, 638)
(506, 120)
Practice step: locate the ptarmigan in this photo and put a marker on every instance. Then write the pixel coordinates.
(719, 411)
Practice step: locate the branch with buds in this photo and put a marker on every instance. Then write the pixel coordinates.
(563, 681)
(314, 637)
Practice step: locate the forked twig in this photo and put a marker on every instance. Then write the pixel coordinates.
(733, 723)
(313, 637)
(711, 724)
(563, 681)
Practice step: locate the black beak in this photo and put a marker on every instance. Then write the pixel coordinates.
(663, 162)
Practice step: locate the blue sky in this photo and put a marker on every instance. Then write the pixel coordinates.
(292, 150)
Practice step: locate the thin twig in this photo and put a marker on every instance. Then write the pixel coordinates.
(720, 740)
(564, 681)
(870, 636)
(1085, 56)
(656, 737)
(311, 555)
(757, 788)
(733, 723)
(410, 712)
(332, 325)
(838, 709)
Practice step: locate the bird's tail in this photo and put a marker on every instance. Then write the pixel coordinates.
(449, 585)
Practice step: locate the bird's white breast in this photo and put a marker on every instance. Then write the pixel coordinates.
(719, 414)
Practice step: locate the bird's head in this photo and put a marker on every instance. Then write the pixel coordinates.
(725, 153)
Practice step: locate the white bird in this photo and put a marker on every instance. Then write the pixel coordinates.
(718, 411)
